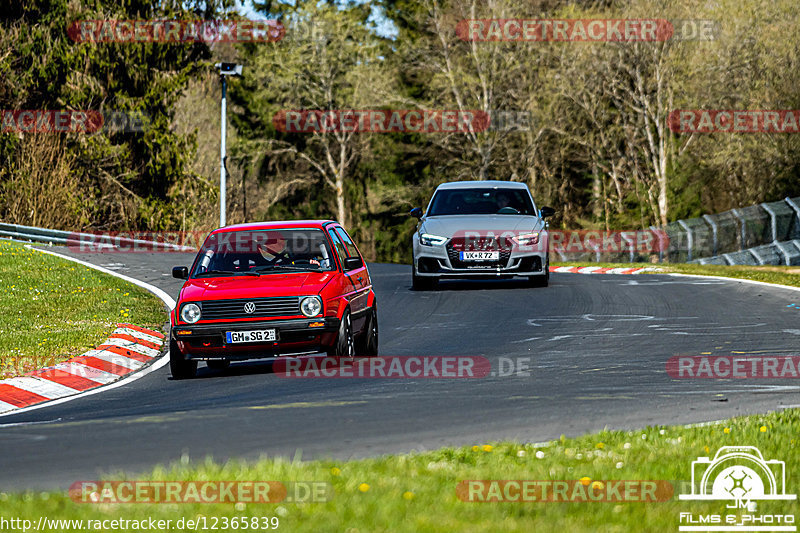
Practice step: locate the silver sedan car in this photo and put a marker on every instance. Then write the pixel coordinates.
(481, 229)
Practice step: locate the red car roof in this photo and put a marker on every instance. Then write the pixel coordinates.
(279, 224)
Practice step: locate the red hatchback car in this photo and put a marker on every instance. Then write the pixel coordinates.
(277, 288)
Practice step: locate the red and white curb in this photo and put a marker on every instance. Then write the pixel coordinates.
(602, 270)
(126, 350)
(104, 379)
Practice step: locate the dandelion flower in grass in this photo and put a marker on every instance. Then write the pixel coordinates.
(726, 430)
(487, 447)
(600, 445)
(585, 481)
(363, 487)
(707, 449)
(763, 429)
(408, 495)
(597, 485)
(335, 471)
(475, 448)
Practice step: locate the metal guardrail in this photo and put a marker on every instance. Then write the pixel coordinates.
(77, 239)
(763, 234)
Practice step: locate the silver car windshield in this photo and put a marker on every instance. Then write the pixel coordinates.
(481, 202)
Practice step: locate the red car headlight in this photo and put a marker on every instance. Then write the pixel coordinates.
(190, 313)
(311, 306)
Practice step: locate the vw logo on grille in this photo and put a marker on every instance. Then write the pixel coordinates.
(249, 308)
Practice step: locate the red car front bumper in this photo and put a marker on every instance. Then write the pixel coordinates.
(208, 341)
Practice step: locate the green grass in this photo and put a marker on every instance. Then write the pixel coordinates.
(783, 275)
(52, 309)
(417, 491)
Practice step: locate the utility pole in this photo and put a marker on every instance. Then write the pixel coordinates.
(225, 70)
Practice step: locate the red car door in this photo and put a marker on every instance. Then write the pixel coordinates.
(359, 277)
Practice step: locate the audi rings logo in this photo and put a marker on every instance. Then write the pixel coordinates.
(249, 308)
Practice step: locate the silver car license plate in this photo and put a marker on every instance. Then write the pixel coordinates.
(479, 256)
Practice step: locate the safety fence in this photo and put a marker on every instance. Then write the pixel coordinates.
(764, 234)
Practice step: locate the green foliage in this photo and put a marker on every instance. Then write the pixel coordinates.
(125, 177)
(597, 147)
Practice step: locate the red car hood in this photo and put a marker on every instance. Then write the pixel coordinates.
(229, 287)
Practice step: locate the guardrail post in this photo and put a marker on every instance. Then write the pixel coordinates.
(743, 228)
(794, 206)
(773, 218)
(658, 232)
(689, 239)
(714, 233)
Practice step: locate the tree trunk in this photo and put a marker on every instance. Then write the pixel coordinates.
(340, 212)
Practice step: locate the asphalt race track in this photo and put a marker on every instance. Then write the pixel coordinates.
(597, 346)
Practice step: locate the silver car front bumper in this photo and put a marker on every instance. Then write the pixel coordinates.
(441, 261)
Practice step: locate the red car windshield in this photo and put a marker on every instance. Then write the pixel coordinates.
(260, 252)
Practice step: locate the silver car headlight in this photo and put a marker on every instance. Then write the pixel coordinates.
(431, 240)
(527, 239)
(311, 306)
(190, 313)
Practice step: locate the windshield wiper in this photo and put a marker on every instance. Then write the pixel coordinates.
(285, 267)
(214, 273)
(227, 273)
